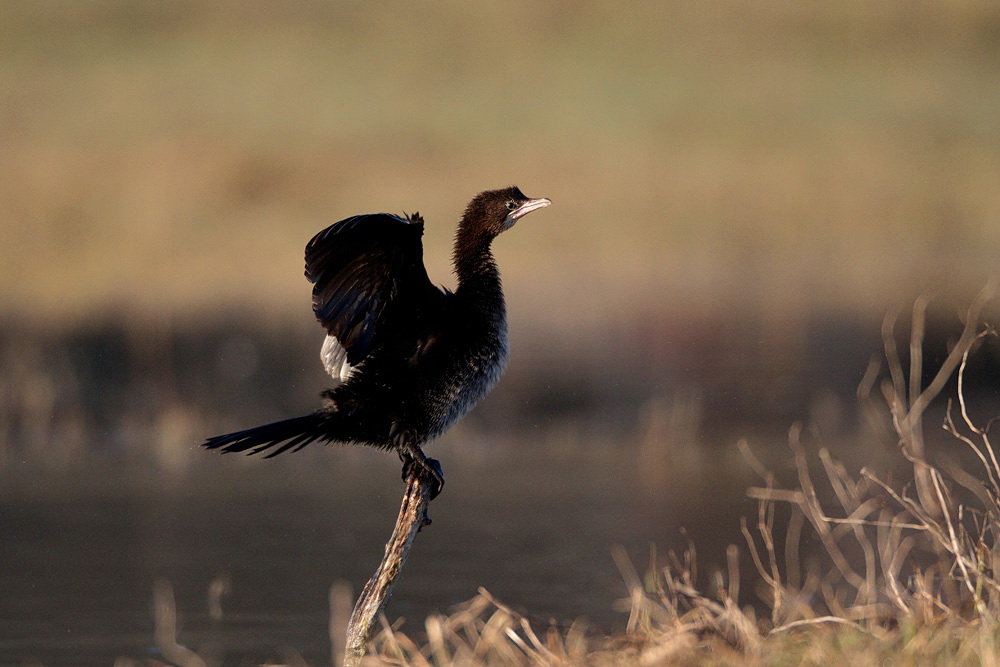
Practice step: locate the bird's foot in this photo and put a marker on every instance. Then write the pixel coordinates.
(433, 466)
(420, 463)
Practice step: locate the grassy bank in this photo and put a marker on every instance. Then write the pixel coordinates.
(907, 572)
(746, 189)
(173, 159)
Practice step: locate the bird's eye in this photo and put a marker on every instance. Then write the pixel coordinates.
(511, 205)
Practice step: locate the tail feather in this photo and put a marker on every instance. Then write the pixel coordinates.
(292, 434)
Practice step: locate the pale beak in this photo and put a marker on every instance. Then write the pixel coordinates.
(529, 206)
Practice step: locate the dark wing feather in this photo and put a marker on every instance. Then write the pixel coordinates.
(364, 269)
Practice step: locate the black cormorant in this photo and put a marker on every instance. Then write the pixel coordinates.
(410, 358)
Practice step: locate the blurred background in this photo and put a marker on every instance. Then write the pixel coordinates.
(740, 192)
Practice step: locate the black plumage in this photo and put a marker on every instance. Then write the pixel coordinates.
(410, 358)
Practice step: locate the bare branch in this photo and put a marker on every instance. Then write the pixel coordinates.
(954, 358)
(412, 517)
(892, 357)
(817, 621)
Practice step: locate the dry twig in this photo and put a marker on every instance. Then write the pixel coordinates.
(412, 517)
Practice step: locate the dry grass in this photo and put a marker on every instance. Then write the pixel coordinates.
(909, 571)
(153, 153)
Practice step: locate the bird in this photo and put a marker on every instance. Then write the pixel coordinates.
(408, 358)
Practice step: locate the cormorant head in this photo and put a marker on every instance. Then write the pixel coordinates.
(496, 211)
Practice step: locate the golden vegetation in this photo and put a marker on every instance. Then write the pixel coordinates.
(908, 571)
(171, 158)
(175, 157)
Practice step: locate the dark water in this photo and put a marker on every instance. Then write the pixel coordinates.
(103, 494)
(78, 565)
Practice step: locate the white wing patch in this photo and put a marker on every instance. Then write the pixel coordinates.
(334, 358)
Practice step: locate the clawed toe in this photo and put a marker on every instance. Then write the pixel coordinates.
(431, 467)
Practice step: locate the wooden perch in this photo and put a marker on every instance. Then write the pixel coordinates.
(412, 517)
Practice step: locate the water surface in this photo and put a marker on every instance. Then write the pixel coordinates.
(78, 563)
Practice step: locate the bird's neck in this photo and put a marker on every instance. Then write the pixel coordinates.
(477, 271)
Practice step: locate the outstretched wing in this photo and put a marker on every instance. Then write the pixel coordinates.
(366, 270)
